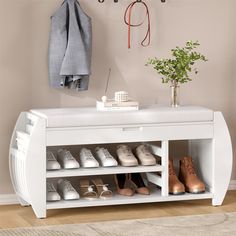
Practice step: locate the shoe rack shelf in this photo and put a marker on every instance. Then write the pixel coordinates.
(103, 171)
(117, 199)
(205, 131)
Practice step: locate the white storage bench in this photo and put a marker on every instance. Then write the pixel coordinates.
(205, 131)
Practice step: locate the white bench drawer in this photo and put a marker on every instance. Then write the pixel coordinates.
(139, 133)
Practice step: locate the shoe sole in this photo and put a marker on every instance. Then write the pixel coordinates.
(198, 192)
(148, 163)
(109, 165)
(90, 166)
(178, 193)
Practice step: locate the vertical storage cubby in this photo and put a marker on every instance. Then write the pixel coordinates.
(201, 152)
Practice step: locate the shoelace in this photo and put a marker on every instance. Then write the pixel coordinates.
(127, 20)
(68, 155)
(145, 150)
(50, 187)
(190, 168)
(107, 154)
(50, 156)
(128, 152)
(88, 154)
(171, 171)
(68, 186)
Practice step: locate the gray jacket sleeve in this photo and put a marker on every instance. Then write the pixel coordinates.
(70, 47)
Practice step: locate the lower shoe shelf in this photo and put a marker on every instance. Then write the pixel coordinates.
(117, 199)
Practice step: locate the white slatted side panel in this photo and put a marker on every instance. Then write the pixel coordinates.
(18, 165)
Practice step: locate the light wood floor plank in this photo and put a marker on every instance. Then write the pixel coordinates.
(17, 216)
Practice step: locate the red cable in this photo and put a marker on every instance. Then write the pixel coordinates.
(128, 22)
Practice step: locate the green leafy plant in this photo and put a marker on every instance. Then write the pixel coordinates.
(177, 69)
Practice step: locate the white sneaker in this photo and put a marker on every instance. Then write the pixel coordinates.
(87, 159)
(52, 163)
(105, 157)
(125, 156)
(145, 156)
(66, 190)
(52, 194)
(66, 160)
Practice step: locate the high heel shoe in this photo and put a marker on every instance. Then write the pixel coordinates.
(136, 183)
(120, 181)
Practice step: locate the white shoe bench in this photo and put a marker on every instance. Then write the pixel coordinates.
(206, 132)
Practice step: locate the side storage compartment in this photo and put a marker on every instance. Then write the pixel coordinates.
(27, 162)
(193, 164)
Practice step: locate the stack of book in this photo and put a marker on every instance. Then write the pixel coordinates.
(112, 105)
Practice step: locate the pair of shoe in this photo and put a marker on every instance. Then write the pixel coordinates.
(65, 191)
(104, 158)
(94, 188)
(64, 160)
(142, 152)
(188, 180)
(128, 184)
(67, 161)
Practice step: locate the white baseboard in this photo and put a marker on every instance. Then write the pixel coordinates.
(11, 199)
(8, 199)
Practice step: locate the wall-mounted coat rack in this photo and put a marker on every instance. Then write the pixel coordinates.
(101, 1)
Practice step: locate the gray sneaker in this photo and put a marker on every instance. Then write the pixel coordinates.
(125, 156)
(66, 159)
(66, 190)
(52, 194)
(52, 163)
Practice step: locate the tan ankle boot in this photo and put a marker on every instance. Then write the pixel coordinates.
(175, 186)
(188, 177)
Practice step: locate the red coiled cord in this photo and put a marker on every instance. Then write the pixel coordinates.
(128, 13)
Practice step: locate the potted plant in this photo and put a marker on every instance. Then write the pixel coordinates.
(176, 70)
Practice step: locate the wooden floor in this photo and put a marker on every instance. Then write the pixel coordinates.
(17, 216)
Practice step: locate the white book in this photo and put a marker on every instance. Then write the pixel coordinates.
(112, 103)
(101, 107)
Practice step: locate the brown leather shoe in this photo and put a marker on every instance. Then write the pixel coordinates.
(175, 186)
(135, 182)
(188, 177)
(120, 181)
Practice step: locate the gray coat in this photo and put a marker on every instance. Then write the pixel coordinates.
(70, 47)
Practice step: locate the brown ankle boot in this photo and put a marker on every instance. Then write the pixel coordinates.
(188, 177)
(175, 186)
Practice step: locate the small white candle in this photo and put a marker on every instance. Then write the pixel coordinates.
(104, 98)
